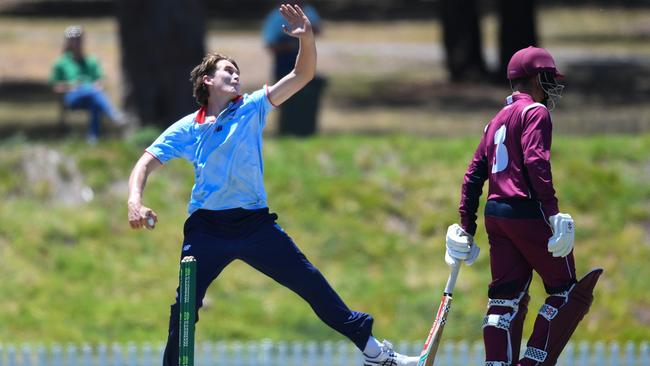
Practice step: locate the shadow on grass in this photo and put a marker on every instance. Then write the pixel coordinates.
(38, 132)
(32, 111)
(621, 81)
(26, 91)
(428, 94)
(600, 38)
(29, 108)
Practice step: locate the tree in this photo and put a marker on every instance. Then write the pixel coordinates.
(517, 29)
(462, 36)
(462, 40)
(161, 40)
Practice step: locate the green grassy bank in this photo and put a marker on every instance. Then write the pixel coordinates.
(370, 212)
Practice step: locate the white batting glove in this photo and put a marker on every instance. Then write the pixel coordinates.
(460, 246)
(561, 243)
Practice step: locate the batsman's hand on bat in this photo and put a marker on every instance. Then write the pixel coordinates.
(141, 216)
(561, 243)
(460, 246)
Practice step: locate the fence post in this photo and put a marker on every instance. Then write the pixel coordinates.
(644, 354)
(327, 353)
(297, 350)
(11, 355)
(205, 352)
(415, 348)
(357, 356)
(252, 350)
(56, 354)
(42, 355)
(478, 354)
(629, 354)
(583, 358)
(116, 353)
(463, 353)
(312, 350)
(86, 354)
(161, 351)
(221, 354)
(132, 354)
(567, 357)
(238, 357)
(71, 355)
(265, 352)
(598, 358)
(146, 357)
(614, 354)
(281, 355)
(26, 354)
(447, 353)
(342, 352)
(102, 359)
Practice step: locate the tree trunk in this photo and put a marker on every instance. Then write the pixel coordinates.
(462, 39)
(161, 41)
(517, 30)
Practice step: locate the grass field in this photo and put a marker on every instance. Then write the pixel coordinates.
(368, 200)
(371, 212)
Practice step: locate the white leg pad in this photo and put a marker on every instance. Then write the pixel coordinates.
(548, 312)
(535, 354)
(503, 321)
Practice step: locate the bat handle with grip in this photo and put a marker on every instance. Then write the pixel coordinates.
(451, 281)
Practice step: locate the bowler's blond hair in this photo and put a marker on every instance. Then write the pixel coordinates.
(207, 67)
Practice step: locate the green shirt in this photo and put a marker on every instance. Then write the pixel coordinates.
(66, 68)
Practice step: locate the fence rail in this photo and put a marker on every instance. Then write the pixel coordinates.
(268, 353)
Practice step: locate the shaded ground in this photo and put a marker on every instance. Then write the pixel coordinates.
(25, 94)
(240, 9)
(611, 80)
(31, 110)
(384, 77)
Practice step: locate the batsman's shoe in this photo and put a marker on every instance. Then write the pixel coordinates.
(388, 357)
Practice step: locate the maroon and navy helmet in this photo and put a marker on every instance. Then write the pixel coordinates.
(531, 61)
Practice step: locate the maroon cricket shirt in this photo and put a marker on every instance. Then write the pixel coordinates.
(514, 156)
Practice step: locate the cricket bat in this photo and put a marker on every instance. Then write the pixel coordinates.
(430, 349)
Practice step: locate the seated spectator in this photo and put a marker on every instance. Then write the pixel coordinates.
(76, 76)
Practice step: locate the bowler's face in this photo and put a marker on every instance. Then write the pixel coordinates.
(226, 78)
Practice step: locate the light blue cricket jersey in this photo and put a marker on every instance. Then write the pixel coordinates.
(226, 153)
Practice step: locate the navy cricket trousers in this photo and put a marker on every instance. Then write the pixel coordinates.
(216, 238)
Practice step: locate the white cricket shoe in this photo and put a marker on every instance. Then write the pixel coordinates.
(388, 357)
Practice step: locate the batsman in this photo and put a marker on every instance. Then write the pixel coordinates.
(525, 228)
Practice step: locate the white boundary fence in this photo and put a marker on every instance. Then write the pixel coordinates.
(268, 353)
